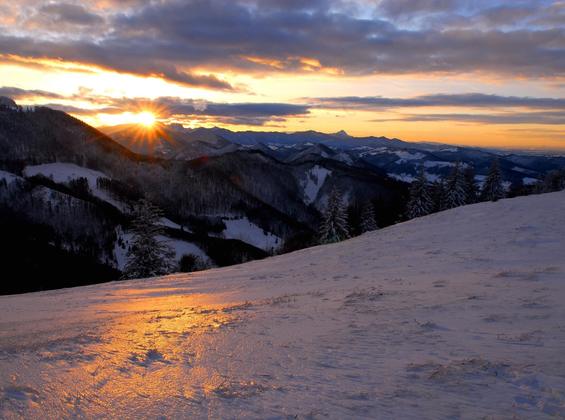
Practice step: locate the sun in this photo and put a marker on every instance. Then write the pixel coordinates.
(146, 119)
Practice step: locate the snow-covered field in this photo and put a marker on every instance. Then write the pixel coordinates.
(456, 315)
(243, 229)
(313, 182)
(63, 173)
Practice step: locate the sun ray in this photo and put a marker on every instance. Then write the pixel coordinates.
(145, 118)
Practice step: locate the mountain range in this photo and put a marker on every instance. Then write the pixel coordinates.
(67, 190)
(393, 157)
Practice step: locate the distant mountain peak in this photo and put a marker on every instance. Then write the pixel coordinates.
(342, 133)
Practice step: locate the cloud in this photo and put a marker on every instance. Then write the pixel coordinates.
(474, 100)
(69, 13)
(166, 107)
(129, 58)
(398, 8)
(543, 118)
(188, 41)
(230, 113)
(506, 109)
(17, 93)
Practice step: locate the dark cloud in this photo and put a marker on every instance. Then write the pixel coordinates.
(169, 107)
(452, 100)
(542, 118)
(507, 14)
(129, 57)
(172, 38)
(508, 109)
(398, 8)
(69, 13)
(17, 93)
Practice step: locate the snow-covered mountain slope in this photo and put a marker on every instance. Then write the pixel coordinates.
(456, 315)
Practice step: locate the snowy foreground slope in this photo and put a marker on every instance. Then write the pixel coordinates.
(460, 314)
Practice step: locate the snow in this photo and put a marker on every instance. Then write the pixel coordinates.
(180, 247)
(121, 250)
(523, 170)
(402, 177)
(454, 315)
(411, 178)
(435, 164)
(62, 173)
(8, 176)
(184, 248)
(243, 229)
(406, 156)
(315, 178)
(480, 180)
(169, 223)
(529, 181)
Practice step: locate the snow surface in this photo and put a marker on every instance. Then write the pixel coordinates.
(459, 314)
(243, 229)
(315, 178)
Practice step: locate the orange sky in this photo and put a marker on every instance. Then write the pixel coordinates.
(71, 56)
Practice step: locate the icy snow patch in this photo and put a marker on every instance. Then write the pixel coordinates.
(315, 178)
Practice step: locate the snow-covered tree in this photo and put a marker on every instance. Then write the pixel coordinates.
(437, 195)
(493, 189)
(420, 202)
(471, 192)
(455, 194)
(368, 220)
(147, 255)
(554, 181)
(334, 226)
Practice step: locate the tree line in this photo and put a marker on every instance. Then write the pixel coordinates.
(459, 188)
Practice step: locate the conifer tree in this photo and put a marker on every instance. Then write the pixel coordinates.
(493, 190)
(147, 255)
(471, 192)
(368, 220)
(437, 195)
(554, 181)
(334, 226)
(420, 202)
(455, 194)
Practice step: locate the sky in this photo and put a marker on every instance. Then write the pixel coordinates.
(486, 73)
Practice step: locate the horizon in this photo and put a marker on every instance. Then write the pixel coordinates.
(475, 74)
(431, 142)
